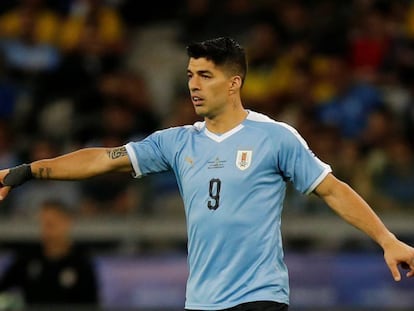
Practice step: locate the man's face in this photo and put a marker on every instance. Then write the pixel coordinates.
(54, 225)
(209, 87)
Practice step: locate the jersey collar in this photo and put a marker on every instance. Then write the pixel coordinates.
(221, 137)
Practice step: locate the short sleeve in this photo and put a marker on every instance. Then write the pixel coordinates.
(298, 164)
(149, 155)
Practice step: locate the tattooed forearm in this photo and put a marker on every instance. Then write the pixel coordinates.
(43, 173)
(116, 153)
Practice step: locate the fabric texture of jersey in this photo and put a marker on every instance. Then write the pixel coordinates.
(233, 186)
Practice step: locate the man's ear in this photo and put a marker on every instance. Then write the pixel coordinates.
(235, 84)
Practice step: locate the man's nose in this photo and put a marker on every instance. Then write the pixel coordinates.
(194, 84)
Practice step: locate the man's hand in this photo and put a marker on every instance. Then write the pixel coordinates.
(397, 253)
(4, 190)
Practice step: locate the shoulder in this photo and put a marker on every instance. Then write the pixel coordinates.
(271, 126)
(27, 253)
(196, 127)
(168, 137)
(179, 131)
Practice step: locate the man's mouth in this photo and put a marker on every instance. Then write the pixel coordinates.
(197, 100)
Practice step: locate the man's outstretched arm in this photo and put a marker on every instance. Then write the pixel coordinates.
(352, 208)
(77, 165)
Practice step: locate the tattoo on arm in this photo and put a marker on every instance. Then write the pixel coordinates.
(44, 173)
(116, 153)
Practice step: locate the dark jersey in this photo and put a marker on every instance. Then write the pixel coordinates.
(41, 280)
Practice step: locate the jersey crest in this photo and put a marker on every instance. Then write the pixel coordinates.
(243, 159)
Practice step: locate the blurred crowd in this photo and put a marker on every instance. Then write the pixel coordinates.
(78, 73)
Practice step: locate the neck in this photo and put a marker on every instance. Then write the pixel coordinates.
(57, 250)
(227, 120)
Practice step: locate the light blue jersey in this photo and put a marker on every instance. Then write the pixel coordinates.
(233, 186)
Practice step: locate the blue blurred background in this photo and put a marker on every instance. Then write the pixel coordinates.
(81, 73)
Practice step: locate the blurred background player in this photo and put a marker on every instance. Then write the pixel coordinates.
(56, 271)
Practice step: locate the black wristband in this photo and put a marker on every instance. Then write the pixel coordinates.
(18, 175)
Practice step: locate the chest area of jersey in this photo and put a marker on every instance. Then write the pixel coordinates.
(230, 159)
(218, 177)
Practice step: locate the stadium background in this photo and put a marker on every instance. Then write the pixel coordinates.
(341, 72)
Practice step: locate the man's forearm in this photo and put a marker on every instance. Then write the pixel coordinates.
(81, 164)
(352, 207)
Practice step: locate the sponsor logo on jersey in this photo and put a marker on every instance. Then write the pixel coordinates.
(244, 159)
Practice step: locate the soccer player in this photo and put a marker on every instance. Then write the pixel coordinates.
(232, 171)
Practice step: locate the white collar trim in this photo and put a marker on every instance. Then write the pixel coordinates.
(222, 137)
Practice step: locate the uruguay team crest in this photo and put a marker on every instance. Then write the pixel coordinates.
(243, 159)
